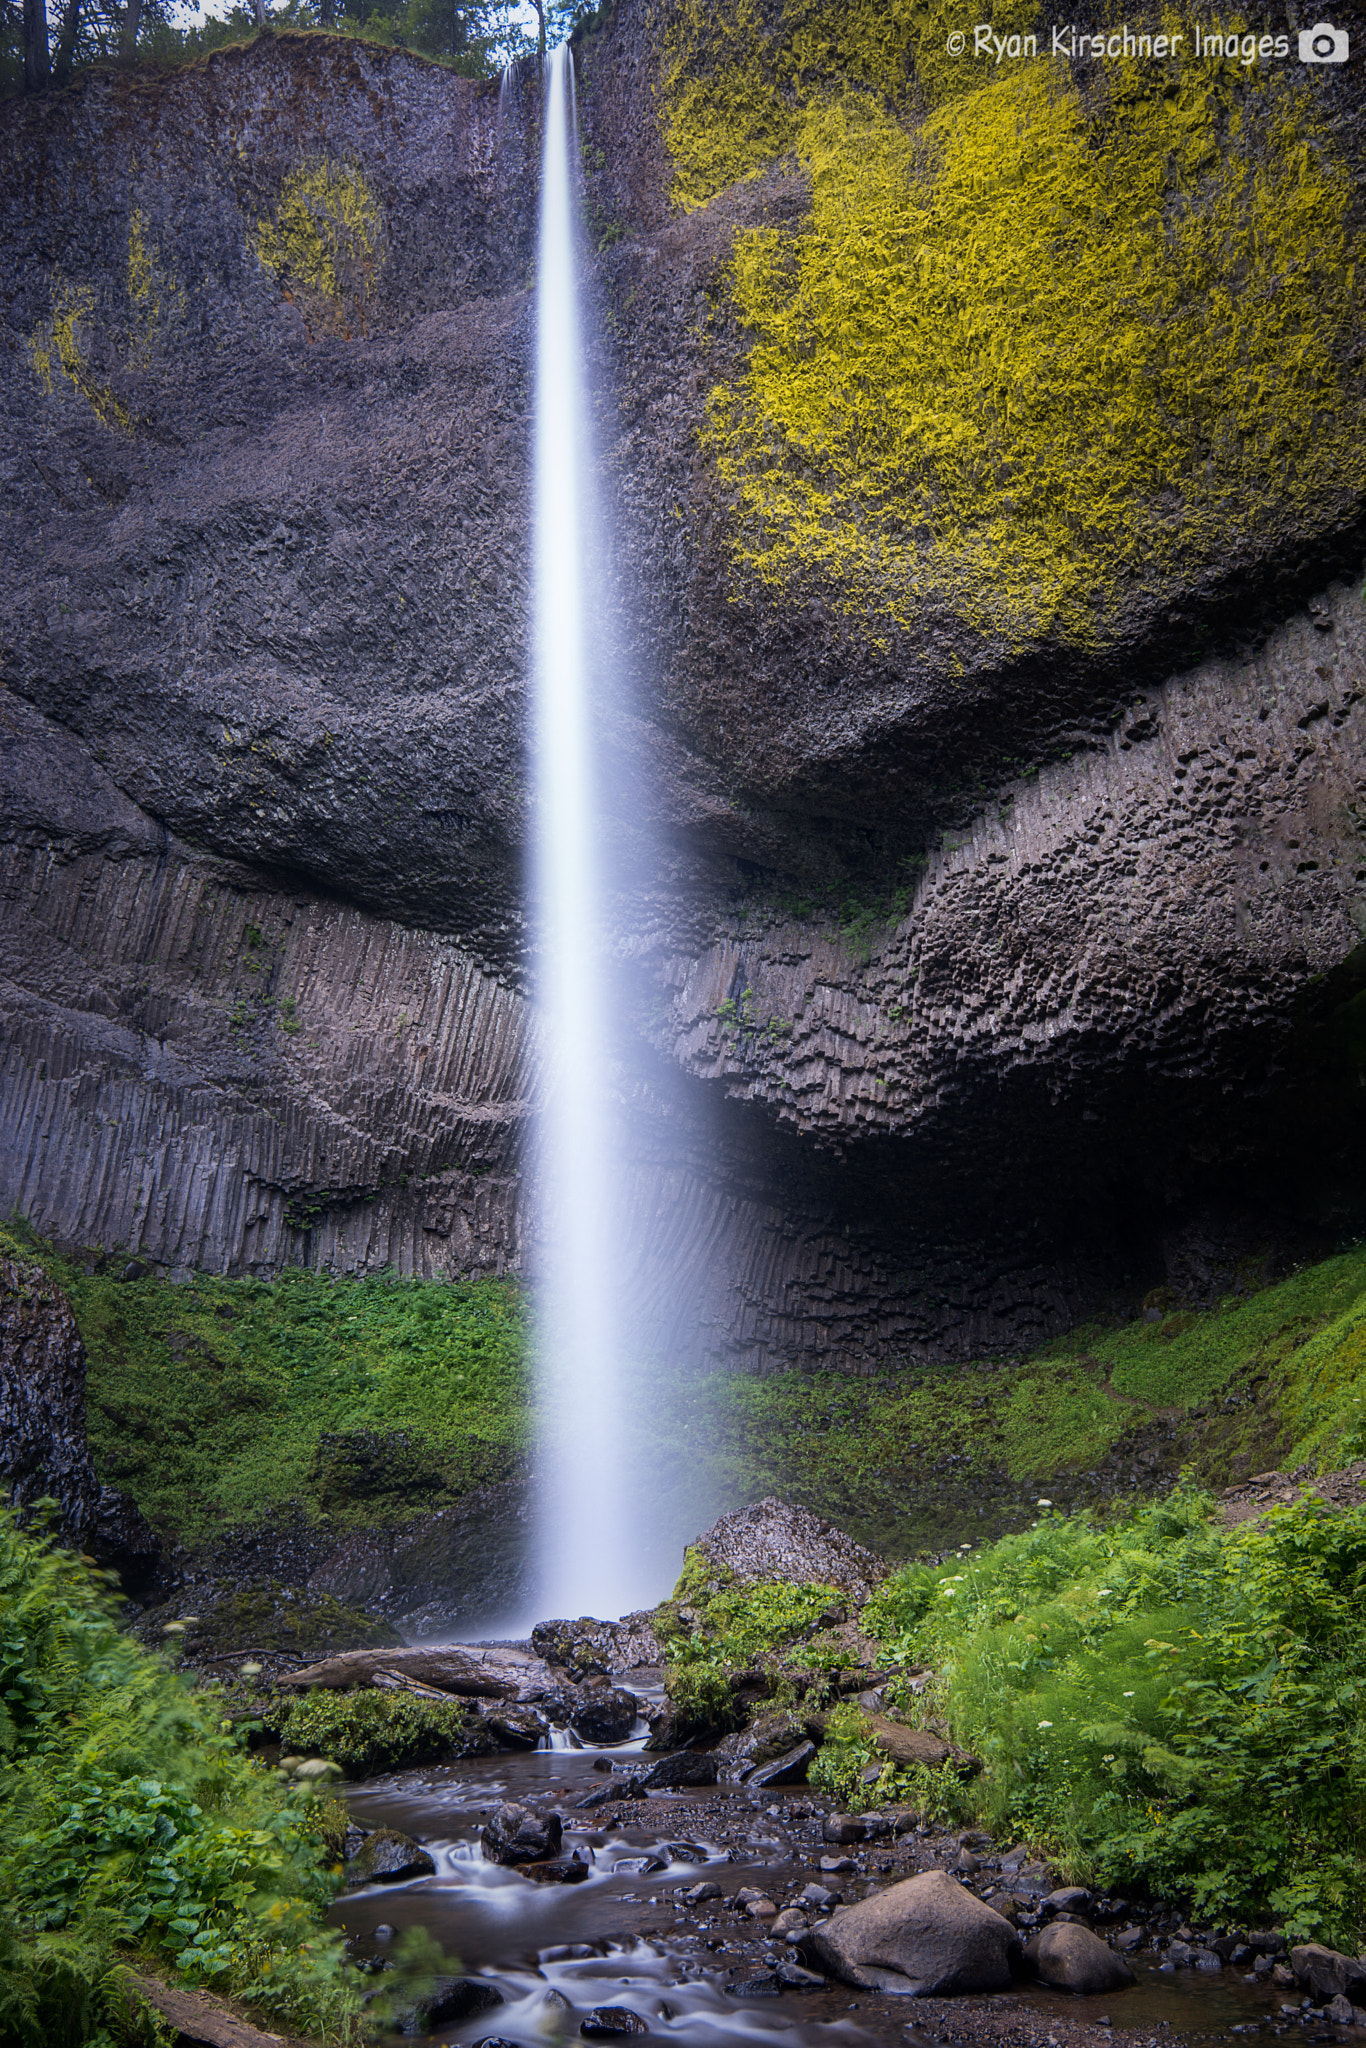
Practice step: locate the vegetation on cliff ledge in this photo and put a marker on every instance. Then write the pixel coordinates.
(214, 1402)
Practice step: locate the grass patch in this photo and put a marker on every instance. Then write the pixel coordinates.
(213, 1402)
(134, 1826)
(903, 1458)
(1164, 1703)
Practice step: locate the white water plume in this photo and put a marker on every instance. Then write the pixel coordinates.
(585, 1543)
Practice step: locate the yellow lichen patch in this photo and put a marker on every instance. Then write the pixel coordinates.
(736, 78)
(60, 347)
(323, 246)
(155, 294)
(1044, 351)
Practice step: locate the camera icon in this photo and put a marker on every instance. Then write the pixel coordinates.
(1323, 44)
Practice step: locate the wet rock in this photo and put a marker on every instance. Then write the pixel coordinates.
(450, 1999)
(837, 1865)
(686, 1852)
(793, 1977)
(611, 2022)
(773, 1540)
(1326, 1972)
(841, 1827)
(927, 1936)
(966, 1863)
(1069, 1898)
(697, 1893)
(791, 1769)
(517, 1835)
(389, 1857)
(767, 1986)
(516, 1727)
(761, 1909)
(603, 1795)
(1071, 1958)
(587, 1648)
(1341, 2011)
(816, 1896)
(688, 1767)
(605, 1716)
(564, 1870)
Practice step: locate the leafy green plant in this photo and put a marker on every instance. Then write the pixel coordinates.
(1165, 1702)
(131, 1819)
(369, 1731)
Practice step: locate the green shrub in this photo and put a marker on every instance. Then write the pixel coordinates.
(848, 1755)
(369, 1731)
(1165, 1702)
(131, 1819)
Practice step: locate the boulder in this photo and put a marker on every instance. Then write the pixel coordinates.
(611, 2023)
(604, 1715)
(517, 1835)
(450, 1999)
(925, 1937)
(1328, 1973)
(790, 1769)
(586, 1648)
(688, 1767)
(389, 1857)
(1071, 1958)
(773, 1540)
(516, 1727)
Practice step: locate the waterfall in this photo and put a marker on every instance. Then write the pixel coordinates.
(584, 1562)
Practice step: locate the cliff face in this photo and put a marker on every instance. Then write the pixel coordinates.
(996, 937)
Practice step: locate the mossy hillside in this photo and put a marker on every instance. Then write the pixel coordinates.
(932, 1455)
(213, 1402)
(1047, 353)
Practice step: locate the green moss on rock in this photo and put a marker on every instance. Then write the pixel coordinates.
(367, 1732)
(1046, 351)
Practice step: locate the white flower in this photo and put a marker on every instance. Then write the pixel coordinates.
(949, 1592)
(1045, 1724)
(1043, 1503)
(1101, 1591)
(1128, 1695)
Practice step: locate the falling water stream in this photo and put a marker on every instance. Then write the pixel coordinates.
(584, 1545)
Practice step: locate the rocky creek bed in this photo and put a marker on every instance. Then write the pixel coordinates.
(699, 1908)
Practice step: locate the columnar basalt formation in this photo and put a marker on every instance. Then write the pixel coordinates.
(979, 961)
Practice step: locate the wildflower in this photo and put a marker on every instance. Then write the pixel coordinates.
(1043, 1503)
(1128, 1695)
(1045, 1724)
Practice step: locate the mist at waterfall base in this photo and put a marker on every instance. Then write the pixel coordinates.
(591, 1504)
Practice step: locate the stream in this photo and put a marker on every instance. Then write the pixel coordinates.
(547, 1954)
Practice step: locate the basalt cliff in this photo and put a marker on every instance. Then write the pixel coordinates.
(996, 621)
